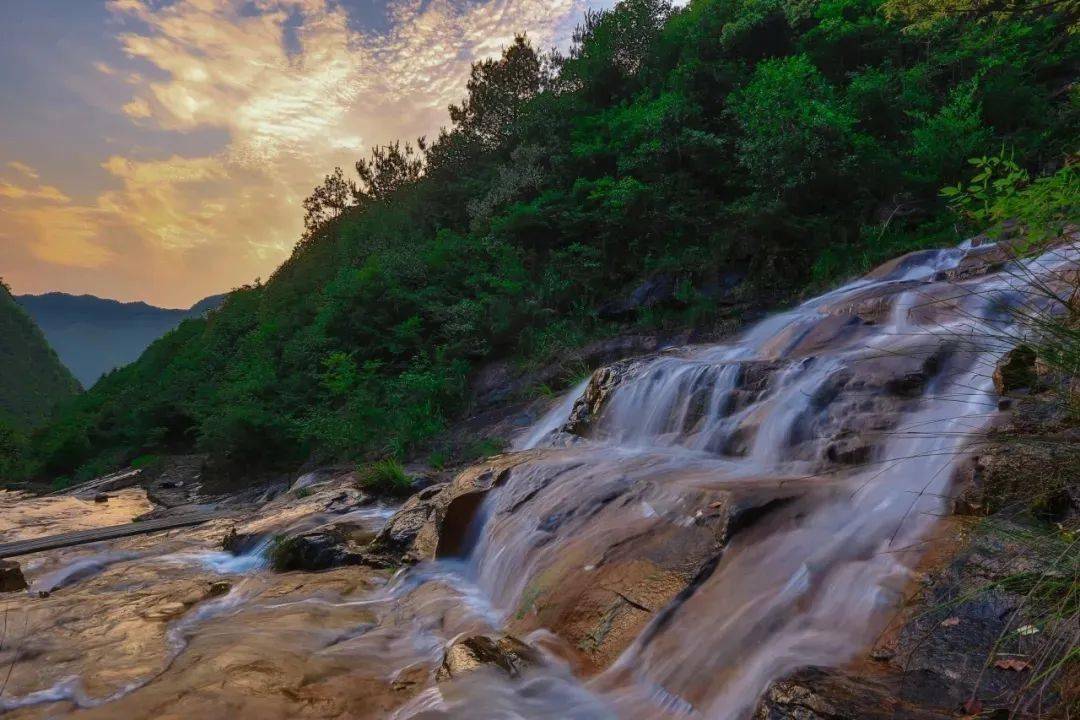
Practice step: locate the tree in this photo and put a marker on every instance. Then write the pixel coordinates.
(498, 91)
(795, 130)
(611, 46)
(390, 168)
(328, 201)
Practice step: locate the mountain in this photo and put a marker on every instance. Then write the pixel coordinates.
(93, 335)
(32, 379)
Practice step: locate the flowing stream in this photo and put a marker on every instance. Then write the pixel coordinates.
(725, 515)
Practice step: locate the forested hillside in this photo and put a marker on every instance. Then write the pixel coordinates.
(734, 148)
(32, 380)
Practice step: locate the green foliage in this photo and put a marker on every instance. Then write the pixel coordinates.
(12, 452)
(146, 461)
(944, 140)
(62, 483)
(777, 140)
(385, 477)
(485, 448)
(795, 129)
(1002, 192)
(285, 553)
(32, 380)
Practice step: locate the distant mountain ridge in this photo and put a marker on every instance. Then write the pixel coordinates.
(32, 379)
(93, 335)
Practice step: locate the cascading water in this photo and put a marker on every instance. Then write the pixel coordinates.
(674, 536)
(859, 404)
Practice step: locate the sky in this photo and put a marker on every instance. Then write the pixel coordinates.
(159, 150)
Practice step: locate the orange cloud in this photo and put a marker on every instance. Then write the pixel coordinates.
(26, 187)
(24, 169)
(137, 108)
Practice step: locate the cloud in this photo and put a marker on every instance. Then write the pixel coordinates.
(137, 108)
(27, 188)
(171, 202)
(67, 237)
(296, 89)
(226, 64)
(23, 169)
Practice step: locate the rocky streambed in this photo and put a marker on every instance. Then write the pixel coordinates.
(779, 526)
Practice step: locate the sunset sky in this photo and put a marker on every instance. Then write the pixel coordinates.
(159, 150)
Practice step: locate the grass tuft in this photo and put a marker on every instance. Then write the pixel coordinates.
(385, 477)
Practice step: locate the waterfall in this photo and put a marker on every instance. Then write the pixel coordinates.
(855, 408)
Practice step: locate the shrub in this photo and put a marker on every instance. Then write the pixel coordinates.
(146, 461)
(385, 477)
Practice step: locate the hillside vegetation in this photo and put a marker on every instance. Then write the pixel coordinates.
(751, 148)
(32, 380)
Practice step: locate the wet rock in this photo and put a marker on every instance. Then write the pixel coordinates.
(849, 451)
(432, 523)
(657, 290)
(101, 498)
(11, 577)
(938, 654)
(913, 384)
(909, 386)
(318, 549)
(739, 442)
(599, 595)
(818, 694)
(165, 610)
(218, 588)
(239, 543)
(469, 654)
(1016, 371)
(597, 393)
(346, 500)
(314, 477)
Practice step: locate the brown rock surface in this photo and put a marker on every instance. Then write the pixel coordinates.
(469, 654)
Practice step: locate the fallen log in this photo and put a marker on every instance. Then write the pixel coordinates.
(81, 537)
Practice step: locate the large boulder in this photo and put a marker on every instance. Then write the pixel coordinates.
(597, 570)
(433, 522)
